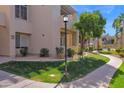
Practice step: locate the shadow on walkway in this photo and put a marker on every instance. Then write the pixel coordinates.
(101, 77)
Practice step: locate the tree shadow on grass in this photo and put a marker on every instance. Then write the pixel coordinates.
(95, 81)
(25, 68)
(76, 70)
(92, 80)
(79, 69)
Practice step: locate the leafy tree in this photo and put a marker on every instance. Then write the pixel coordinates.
(112, 40)
(99, 27)
(89, 25)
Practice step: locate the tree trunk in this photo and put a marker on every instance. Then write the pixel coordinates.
(121, 43)
(89, 44)
(98, 44)
(82, 47)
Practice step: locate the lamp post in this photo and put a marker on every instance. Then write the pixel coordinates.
(65, 21)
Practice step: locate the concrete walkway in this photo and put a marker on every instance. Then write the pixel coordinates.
(100, 78)
(4, 59)
(8, 80)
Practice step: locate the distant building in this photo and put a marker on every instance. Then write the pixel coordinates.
(108, 41)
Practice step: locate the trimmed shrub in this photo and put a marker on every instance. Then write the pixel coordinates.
(120, 50)
(44, 52)
(91, 48)
(109, 52)
(114, 52)
(121, 54)
(60, 52)
(105, 52)
(24, 51)
(86, 49)
(109, 49)
(76, 49)
(100, 49)
(71, 52)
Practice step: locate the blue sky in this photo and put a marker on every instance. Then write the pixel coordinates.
(110, 12)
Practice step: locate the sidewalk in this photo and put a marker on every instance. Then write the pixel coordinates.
(8, 80)
(100, 78)
(5, 59)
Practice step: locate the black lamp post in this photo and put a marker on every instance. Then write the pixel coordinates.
(65, 20)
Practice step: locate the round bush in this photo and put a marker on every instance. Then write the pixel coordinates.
(121, 54)
(44, 52)
(71, 52)
(24, 51)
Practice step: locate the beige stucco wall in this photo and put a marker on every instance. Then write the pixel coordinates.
(4, 42)
(10, 29)
(43, 26)
(4, 33)
(46, 26)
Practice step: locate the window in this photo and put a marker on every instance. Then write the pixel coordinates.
(17, 11)
(22, 40)
(74, 39)
(17, 40)
(62, 39)
(21, 11)
(24, 12)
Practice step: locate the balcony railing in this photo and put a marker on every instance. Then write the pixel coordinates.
(68, 10)
(69, 23)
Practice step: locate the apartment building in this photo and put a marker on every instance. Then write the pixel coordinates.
(35, 27)
(108, 41)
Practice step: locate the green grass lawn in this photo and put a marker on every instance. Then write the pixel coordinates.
(52, 72)
(109, 52)
(118, 78)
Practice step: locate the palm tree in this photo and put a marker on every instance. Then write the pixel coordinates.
(118, 25)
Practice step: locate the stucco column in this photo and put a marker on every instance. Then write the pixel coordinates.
(77, 36)
(11, 27)
(12, 44)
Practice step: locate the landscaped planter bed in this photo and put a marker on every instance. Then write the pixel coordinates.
(52, 72)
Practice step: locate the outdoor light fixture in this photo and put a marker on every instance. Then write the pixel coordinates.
(65, 20)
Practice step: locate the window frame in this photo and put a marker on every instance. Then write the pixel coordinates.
(21, 12)
(18, 43)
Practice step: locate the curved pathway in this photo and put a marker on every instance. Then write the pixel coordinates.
(101, 77)
(98, 78)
